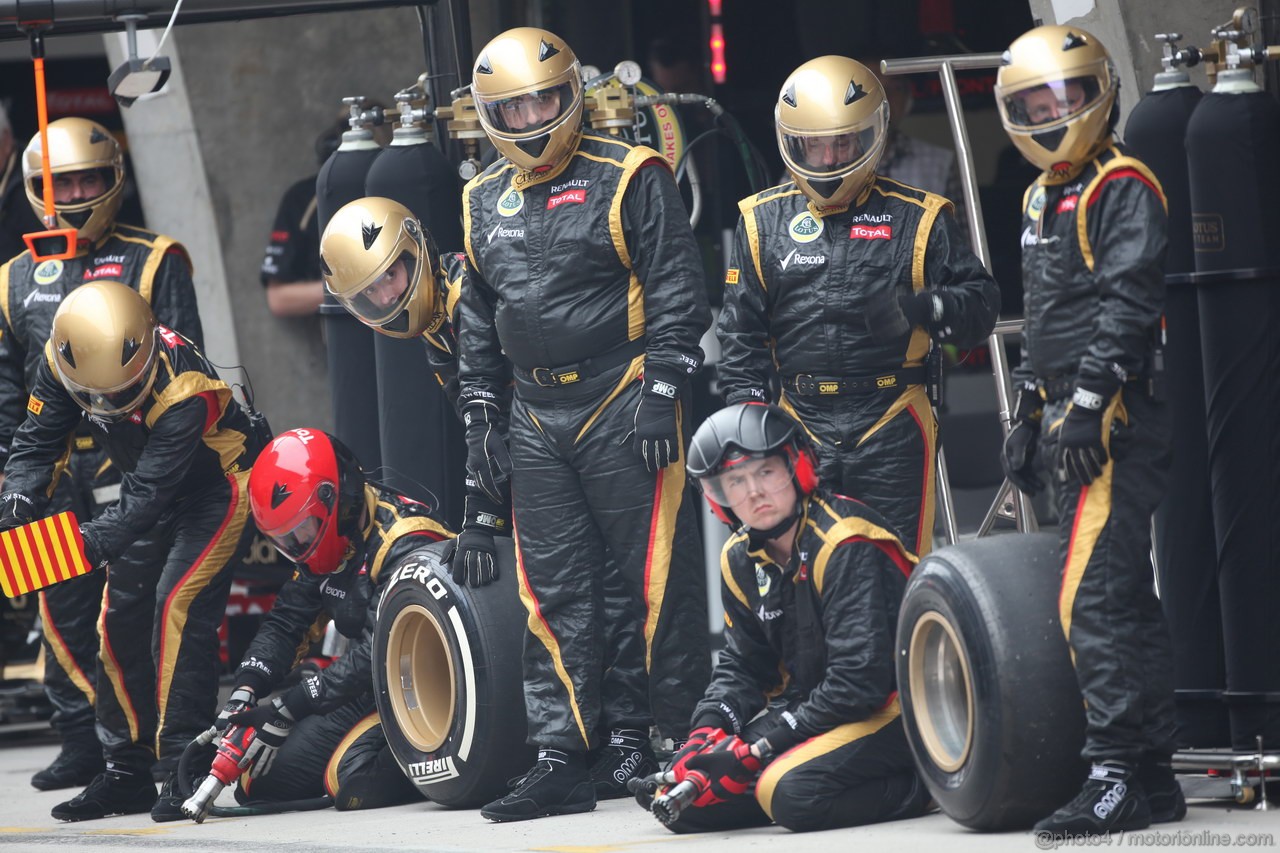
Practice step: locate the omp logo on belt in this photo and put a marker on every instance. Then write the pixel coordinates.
(879, 232)
(828, 387)
(567, 197)
(886, 381)
(35, 406)
(566, 378)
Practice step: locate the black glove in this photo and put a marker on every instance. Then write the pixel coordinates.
(645, 788)
(657, 434)
(1018, 456)
(889, 316)
(487, 457)
(1081, 451)
(242, 699)
(15, 510)
(91, 555)
(271, 723)
(473, 558)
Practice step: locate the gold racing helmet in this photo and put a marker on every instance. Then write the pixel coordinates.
(1055, 92)
(381, 264)
(104, 348)
(75, 145)
(832, 120)
(527, 86)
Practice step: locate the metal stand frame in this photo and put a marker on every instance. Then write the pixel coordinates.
(1009, 502)
(1238, 763)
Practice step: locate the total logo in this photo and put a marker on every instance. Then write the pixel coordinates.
(511, 203)
(805, 227)
(795, 256)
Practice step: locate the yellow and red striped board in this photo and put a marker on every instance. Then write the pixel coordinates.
(40, 554)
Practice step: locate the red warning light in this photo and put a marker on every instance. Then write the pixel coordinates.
(718, 66)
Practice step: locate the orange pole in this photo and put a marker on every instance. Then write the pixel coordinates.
(42, 112)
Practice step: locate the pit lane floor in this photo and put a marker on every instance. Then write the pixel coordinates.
(619, 825)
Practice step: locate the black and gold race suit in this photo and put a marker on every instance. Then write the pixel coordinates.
(797, 294)
(581, 277)
(1093, 271)
(171, 539)
(813, 642)
(30, 293)
(338, 747)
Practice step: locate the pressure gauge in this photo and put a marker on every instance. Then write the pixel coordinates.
(627, 72)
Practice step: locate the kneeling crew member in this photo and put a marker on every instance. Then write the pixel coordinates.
(811, 584)
(310, 498)
(184, 446)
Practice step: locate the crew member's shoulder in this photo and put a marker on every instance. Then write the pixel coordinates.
(834, 514)
(783, 197)
(600, 147)
(898, 193)
(497, 176)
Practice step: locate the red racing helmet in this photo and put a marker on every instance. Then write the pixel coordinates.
(306, 491)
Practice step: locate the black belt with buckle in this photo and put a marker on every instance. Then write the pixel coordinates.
(552, 377)
(807, 385)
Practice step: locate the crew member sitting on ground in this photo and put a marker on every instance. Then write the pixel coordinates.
(811, 583)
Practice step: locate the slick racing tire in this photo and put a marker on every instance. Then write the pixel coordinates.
(989, 696)
(447, 677)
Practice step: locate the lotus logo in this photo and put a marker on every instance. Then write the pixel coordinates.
(805, 227)
(511, 203)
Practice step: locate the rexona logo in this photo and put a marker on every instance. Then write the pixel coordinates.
(797, 258)
(567, 197)
(804, 227)
(876, 232)
(505, 232)
(511, 203)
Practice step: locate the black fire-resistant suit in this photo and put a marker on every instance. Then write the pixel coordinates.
(30, 293)
(1093, 270)
(583, 276)
(183, 508)
(337, 747)
(818, 632)
(797, 294)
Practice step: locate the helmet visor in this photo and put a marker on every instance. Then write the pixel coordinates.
(298, 538)
(1043, 105)
(832, 155)
(387, 295)
(525, 115)
(113, 403)
(748, 477)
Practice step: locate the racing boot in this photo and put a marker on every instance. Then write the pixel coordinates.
(116, 790)
(1110, 801)
(1164, 793)
(79, 760)
(168, 805)
(628, 755)
(557, 784)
